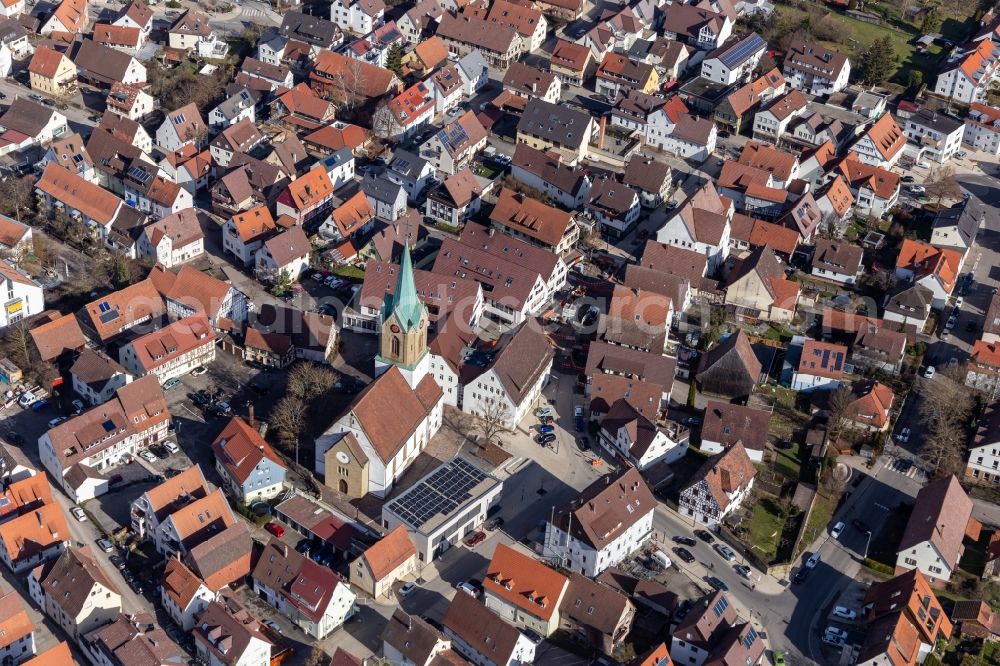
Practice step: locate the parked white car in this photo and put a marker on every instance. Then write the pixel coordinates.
(79, 514)
(845, 612)
(147, 456)
(837, 530)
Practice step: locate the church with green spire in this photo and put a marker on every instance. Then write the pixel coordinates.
(403, 333)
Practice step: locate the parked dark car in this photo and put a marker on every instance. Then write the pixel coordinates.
(684, 540)
(705, 536)
(532, 636)
(717, 584)
(494, 523)
(801, 575)
(684, 554)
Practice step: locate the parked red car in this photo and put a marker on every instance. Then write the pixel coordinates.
(476, 539)
(275, 529)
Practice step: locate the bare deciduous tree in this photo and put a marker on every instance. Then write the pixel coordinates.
(941, 184)
(837, 410)
(16, 195)
(382, 121)
(308, 381)
(288, 419)
(945, 409)
(492, 421)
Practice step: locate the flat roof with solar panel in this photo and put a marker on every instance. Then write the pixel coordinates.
(446, 493)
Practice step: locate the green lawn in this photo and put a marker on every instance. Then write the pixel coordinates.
(765, 527)
(822, 512)
(788, 462)
(858, 35)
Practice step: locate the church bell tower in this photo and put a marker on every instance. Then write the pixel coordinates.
(403, 336)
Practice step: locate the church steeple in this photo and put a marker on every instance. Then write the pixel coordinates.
(404, 327)
(405, 304)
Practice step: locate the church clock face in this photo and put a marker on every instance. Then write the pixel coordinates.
(342, 458)
(394, 328)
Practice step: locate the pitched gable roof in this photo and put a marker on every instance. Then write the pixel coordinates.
(240, 449)
(940, 516)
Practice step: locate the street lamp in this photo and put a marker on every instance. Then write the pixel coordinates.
(867, 543)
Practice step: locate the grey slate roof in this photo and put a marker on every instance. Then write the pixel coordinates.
(381, 189)
(557, 124)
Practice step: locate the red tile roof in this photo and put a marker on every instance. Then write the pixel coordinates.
(240, 449)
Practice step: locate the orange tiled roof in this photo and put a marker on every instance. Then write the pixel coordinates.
(887, 137)
(524, 582)
(389, 553)
(45, 62)
(240, 448)
(254, 223)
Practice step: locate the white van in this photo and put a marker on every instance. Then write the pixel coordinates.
(172, 447)
(661, 557)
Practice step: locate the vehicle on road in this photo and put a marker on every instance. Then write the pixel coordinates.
(845, 612)
(684, 554)
(917, 189)
(813, 560)
(742, 570)
(78, 406)
(951, 323)
(578, 417)
(147, 456)
(468, 588)
(171, 384)
(26, 399)
(547, 438)
(959, 301)
(115, 478)
(79, 514)
(929, 372)
(105, 545)
(274, 626)
(834, 641)
(118, 561)
(778, 657)
(494, 523)
(692, 420)
(199, 371)
(56, 421)
(684, 540)
(725, 552)
(705, 536)
(532, 636)
(837, 530)
(717, 584)
(908, 179)
(545, 429)
(275, 529)
(903, 435)
(543, 412)
(475, 539)
(923, 165)
(800, 575)
(406, 588)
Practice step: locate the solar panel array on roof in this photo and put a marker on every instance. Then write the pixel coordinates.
(737, 55)
(455, 136)
(439, 494)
